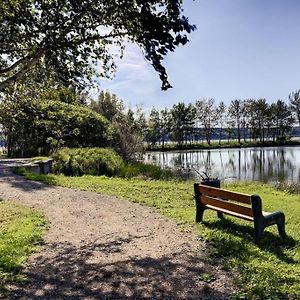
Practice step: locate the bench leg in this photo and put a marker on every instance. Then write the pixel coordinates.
(199, 214)
(277, 218)
(258, 231)
(220, 215)
(281, 226)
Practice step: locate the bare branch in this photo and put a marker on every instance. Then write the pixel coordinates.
(7, 51)
(26, 68)
(98, 37)
(14, 65)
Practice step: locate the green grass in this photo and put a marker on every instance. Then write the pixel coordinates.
(21, 230)
(270, 270)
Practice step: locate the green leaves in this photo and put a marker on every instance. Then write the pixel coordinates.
(67, 39)
(38, 127)
(83, 161)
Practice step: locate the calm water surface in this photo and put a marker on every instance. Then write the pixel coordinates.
(260, 164)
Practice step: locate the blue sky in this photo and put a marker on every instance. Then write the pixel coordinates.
(242, 49)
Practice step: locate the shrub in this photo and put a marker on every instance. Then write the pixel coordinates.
(136, 169)
(91, 161)
(37, 127)
(289, 187)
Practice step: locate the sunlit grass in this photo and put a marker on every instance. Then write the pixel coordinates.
(40, 158)
(270, 270)
(21, 230)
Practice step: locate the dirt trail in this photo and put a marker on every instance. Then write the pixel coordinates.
(100, 247)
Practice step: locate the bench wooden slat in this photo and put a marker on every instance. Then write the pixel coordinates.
(215, 192)
(228, 212)
(236, 208)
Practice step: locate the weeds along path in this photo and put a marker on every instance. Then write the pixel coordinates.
(100, 247)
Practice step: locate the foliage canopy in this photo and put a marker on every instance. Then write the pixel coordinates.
(38, 127)
(67, 38)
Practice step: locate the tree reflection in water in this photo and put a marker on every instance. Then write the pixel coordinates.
(262, 164)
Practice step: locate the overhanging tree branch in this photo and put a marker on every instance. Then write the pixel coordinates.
(22, 71)
(69, 31)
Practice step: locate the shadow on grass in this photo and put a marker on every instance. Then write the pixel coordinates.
(103, 270)
(272, 243)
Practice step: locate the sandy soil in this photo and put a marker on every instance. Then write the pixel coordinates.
(100, 247)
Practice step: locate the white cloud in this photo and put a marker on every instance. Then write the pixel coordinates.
(135, 78)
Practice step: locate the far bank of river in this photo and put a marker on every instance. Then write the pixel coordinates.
(171, 146)
(266, 164)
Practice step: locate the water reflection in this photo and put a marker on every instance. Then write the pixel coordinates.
(262, 164)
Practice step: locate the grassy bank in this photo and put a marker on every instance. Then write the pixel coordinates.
(223, 144)
(21, 230)
(270, 270)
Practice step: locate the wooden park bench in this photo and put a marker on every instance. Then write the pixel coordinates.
(238, 205)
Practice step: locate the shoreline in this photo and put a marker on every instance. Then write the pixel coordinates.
(216, 145)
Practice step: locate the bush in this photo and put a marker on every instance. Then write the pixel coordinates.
(289, 187)
(136, 169)
(90, 161)
(37, 127)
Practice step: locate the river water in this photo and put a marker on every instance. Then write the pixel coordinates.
(269, 164)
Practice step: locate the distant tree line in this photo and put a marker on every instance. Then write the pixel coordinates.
(251, 119)
(38, 118)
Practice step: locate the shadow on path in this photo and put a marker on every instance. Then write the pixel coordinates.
(17, 181)
(90, 271)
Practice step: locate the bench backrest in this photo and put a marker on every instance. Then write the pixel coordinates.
(238, 204)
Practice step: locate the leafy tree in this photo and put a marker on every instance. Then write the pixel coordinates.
(36, 87)
(158, 126)
(38, 127)
(281, 119)
(129, 135)
(245, 118)
(182, 121)
(67, 38)
(154, 127)
(207, 116)
(259, 112)
(108, 105)
(165, 123)
(129, 127)
(230, 129)
(236, 111)
(295, 104)
(221, 115)
(62, 94)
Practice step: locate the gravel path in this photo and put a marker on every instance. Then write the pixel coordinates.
(100, 247)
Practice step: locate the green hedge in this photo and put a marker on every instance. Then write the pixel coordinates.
(87, 161)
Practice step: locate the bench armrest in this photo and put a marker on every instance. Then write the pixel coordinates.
(272, 218)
